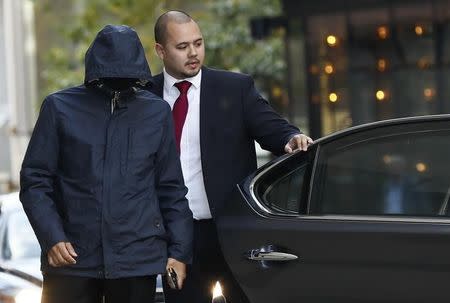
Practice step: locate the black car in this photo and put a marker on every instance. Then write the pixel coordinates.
(20, 275)
(362, 216)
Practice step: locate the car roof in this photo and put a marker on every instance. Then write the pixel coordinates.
(371, 125)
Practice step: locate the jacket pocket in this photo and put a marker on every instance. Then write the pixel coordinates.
(82, 239)
(84, 159)
(143, 144)
(81, 222)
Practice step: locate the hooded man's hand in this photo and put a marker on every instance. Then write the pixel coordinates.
(61, 254)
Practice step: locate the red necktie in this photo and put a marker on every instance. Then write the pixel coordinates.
(180, 109)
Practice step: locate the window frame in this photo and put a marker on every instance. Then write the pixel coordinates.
(273, 172)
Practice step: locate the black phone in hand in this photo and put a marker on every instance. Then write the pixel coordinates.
(172, 278)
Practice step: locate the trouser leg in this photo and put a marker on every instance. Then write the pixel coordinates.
(130, 290)
(70, 289)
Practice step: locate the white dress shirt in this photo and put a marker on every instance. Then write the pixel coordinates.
(190, 153)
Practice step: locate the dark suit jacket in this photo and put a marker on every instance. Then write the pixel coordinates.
(232, 115)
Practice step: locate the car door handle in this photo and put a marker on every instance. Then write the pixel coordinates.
(259, 255)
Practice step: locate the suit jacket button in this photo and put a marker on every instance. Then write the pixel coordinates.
(157, 223)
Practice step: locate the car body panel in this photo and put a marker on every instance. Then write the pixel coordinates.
(359, 254)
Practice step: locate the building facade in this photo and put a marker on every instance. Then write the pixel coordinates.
(357, 61)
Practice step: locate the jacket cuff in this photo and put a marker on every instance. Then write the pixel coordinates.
(52, 239)
(175, 253)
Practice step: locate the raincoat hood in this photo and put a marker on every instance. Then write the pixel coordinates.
(116, 52)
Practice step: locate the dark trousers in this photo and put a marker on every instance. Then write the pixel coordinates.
(208, 267)
(69, 289)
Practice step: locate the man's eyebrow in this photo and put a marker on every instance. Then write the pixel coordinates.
(185, 42)
(182, 43)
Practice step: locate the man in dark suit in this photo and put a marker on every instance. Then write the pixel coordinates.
(217, 115)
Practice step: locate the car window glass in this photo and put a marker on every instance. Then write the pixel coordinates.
(282, 188)
(285, 193)
(21, 238)
(405, 174)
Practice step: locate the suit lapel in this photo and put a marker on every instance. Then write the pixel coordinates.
(206, 120)
(206, 94)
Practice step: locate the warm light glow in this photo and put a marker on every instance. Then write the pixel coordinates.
(381, 95)
(419, 30)
(329, 69)
(428, 93)
(423, 63)
(381, 65)
(421, 167)
(331, 40)
(387, 159)
(333, 97)
(383, 32)
(277, 91)
(217, 291)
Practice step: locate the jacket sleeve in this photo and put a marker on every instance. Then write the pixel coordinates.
(37, 180)
(171, 193)
(265, 125)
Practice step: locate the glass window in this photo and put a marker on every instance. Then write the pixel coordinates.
(376, 63)
(285, 193)
(283, 188)
(397, 174)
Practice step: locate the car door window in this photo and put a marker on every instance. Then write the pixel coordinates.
(284, 188)
(404, 174)
(285, 193)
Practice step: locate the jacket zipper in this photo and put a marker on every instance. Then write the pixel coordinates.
(106, 179)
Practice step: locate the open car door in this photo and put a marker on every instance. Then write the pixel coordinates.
(362, 216)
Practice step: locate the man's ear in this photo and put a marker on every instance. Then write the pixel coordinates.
(159, 51)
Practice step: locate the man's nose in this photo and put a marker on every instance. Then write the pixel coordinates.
(192, 51)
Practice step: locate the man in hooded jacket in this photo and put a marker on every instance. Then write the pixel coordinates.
(101, 182)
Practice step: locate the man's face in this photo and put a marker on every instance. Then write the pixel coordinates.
(183, 50)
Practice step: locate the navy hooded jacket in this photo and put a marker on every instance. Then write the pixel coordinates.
(102, 171)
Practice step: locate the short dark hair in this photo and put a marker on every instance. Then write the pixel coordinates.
(169, 16)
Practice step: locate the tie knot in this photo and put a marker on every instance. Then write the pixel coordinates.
(183, 86)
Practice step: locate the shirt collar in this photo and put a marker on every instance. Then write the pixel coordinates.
(169, 81)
